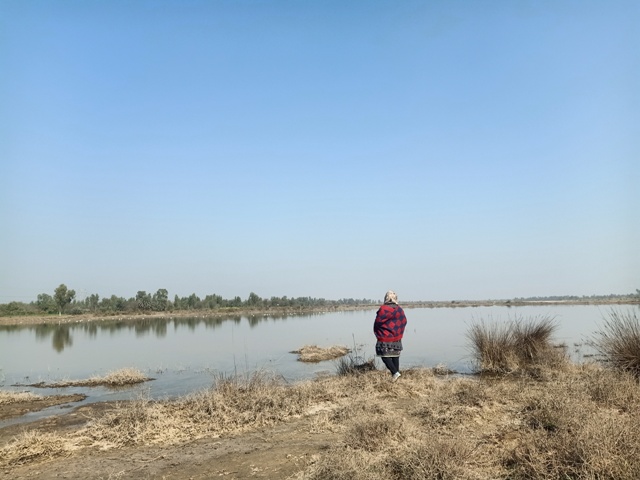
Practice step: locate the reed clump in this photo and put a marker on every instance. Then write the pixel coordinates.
(354, 365)
(314, 353)
(618, 342)
(34, 445)
(118, 378)
(517, 346)
(7, 397)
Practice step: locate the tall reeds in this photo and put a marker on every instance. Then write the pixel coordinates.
(520, 345)
(618, 342)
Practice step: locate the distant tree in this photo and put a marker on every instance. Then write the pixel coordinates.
(254, 300)
(63, 297)
(193, 302)
(17, 308)
(160, 300)
(212, 301)
(143, 300)
(113, 304)
(177, 304)
(236, 302)
(46, 303)
(92, 302)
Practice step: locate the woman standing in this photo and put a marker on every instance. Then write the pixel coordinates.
(389, 328)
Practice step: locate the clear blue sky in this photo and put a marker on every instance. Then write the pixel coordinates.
(443, 149)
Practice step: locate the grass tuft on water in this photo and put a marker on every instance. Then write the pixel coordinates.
(314, 354)
(118, 378)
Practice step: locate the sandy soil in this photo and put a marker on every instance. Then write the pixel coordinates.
(277, 452)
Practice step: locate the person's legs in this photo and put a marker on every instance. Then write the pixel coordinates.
(390, 364)
(396, 364)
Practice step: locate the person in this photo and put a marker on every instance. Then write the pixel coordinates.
(388, 328)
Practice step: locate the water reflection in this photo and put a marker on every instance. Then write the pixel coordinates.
(61, 335)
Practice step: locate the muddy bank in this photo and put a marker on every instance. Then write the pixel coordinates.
(19, 408)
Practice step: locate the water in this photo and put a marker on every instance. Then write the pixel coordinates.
(186, 354)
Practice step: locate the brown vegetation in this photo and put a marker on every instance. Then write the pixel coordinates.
(517, 346)
(573, 422)
(313, 353)
(7, 398)
(619, 341)
(118, 378)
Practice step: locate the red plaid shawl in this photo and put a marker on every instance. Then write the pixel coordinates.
(390, 323)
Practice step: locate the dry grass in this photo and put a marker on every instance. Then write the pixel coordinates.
(354, 365)
(619, 341)
(7, 398)
(573, 431)
(517, 346)
(232, 404)
(314, 354)
(118, 378)
(33, 445)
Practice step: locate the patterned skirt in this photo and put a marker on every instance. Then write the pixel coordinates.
(388, 349)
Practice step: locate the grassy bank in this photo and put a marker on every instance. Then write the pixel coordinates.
(573, 422)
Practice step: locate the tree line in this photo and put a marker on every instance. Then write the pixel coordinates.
(64, 300)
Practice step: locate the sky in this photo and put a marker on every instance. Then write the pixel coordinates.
(447, 150)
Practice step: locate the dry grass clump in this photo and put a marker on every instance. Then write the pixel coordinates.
(573, 437)
(572, 425)
(619, 341)
(383, 438)
(522, 346)
(7, 398)
(353, 365)
(314, 354)
(34, 445)
(232, 404)
(443, 459)
(118, 378)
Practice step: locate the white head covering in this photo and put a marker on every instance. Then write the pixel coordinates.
(391, 297)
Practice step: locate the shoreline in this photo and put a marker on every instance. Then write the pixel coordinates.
(28, 320)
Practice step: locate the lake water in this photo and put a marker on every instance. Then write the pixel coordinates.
(186, 354)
